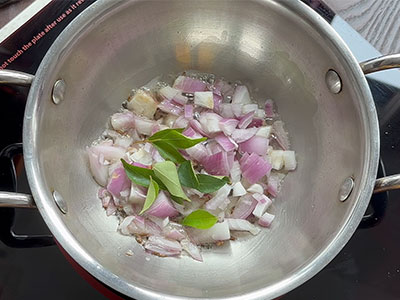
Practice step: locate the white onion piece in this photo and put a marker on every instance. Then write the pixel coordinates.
(244, 207)
(171, 94)
(249, 108)
(263, 203)
(264, 131)
(274, 181)
(266, 220)
(289, 160)
(260, 114)
(238, 189)
(142, 103)
(107, 151)
(220, 198)
(170, 107)
(236, 173)
(142, 226)
(181, 122)
(141, 156)
(241, 95)
(256, 188)
(162, 246)
(226, 110)
(228, 125)
(277, 159)
(144, 126)
(242, 225)
(137, 195)
(111, 208)
(191, 249)
(123, 121)
(219, 232)
(197, 127)
(123, 226)
(210, 122)
(169, 120)
(256, 144)
(204, 99)
(99, 171)
(104, 196)
(241, 135)
(197, 152)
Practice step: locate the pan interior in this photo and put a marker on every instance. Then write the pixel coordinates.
(264, 45)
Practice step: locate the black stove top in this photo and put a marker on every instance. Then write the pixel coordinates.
(367, 268)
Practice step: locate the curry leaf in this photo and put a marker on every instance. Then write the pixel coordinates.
(186, 174)
(166, 172)
(200, 219)
(210, 184)
(175, 138)
(168, 151)
(151, 196)
(140, 176)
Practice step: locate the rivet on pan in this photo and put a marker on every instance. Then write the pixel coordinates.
(59, 200)
(58, 91)
(333, 81)
(346, 188)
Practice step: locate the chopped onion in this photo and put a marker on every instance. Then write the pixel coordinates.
(137, 195)
(142, 226)
(274, 181)
(249, 108)
(188, 111)
(236, 173)
(217, 164)
(99, 171)
(191, 249)
(170, 107)
(123, 121)
(143, 157)
(241, 95)
(256, 144)
(123, 226)
(175, 231)
(269, 108)
(226, 110)
(210, 122)
(197, 127)
(222, 88)
(263, 203)
(169, 120)
(264, 131)
(181, 122)
(107, 151)
(266, 220)
(281, 135)
(228, 125)
(254, 168)
(189, 85)
(118, 182)
(204, 99)
(220, 199)
(246, 120)
(289, 160)
(142, 103)
(144, 126)
(190, 132)
(238, 189)
(260, 114)
(104, 196)
(162, 246)
(213, 147)
(219, 232)
(277, 159)
(171, 94)
(111, 208)
(244, 207)
(256, 188)
(197, 152)
(217, 102)
(256, 122)
(162, 207)
(242, 225)
(226, 143)
(241, 135)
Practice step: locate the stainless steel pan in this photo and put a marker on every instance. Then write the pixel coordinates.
(279, 48)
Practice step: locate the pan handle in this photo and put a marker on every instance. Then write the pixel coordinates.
(381, 63)
(15, 78)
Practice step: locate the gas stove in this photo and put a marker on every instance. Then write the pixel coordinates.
(32, 267)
